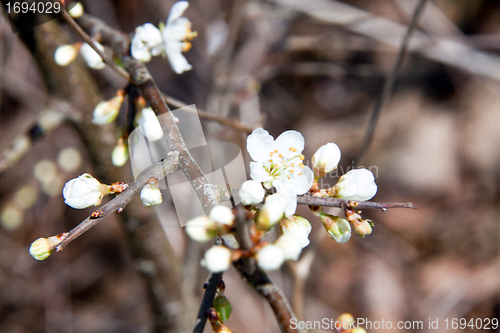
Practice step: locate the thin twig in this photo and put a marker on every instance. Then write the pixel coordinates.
(389, 82)
(205, 115)
(160, 171)
(89, 41)
(350, 204)
(208, 301)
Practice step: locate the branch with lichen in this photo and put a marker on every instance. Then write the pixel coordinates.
(43, 247)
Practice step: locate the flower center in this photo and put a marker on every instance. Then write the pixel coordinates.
(287, 165)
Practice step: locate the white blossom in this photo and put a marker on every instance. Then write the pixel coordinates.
(150, 125)
(271, 212)
(270, 257)
(106, 111)
(119, 156)
(217, 259)
(171, 40)
(65, 54)
(325, 159)
(251, 193)
(76, 11)
(290, 246)
(357, 184)
(279, 164)
(91, 57)
(83, 192)
(151, 195)
(201, 229)
(146, 38)
(298, 227)
(222, 214)
(338, 228)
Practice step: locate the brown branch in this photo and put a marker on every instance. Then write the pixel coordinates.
(389, 82)
(160, 171)
(205, 115)
(89, 41)
(350, 204)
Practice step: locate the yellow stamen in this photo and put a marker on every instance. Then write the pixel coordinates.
(302, 157)
(301, 165)
(270, 160)
(271, 154)
(275, 151)
(186, 46)
(300, 173)
(281, 156)
(292, 149)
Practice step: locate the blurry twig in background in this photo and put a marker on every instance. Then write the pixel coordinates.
(386, 93)
(334, 202)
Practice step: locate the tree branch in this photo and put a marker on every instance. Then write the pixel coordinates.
(120, 201)
(350, 204)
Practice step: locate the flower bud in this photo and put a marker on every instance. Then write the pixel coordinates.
(76, 11)
(223, 307)
(83, 192)
(290, 246)
(201, 229)
(338, 228)
(91, 57)
(270, 257)
(363, 228)
(251, 193)
(298, 227)
(42, 248)
(325, 159)
(357, 184)
(65, 54)
(272, 212)
(150, 125)
(222, 214)
(106, 111)
(217, 259)
(119, 156)
(151, 194)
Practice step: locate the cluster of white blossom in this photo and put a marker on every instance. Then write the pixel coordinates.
(65, 54)
(278, 167)
(169, 40)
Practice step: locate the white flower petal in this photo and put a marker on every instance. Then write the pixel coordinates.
(302, 183)
(357, 184)
(290, 246)
(217, 259)
(290, 139)
(178, 62)
(177, 30)
(259, 144)
(258, 173)
(139, 50)
(82, 192)
(270, 257)
(151, 195)
(177, 10)
(222, 214)
(251, 193)
(92, 58)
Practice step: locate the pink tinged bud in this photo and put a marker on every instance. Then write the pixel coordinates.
(338, 228)
(272, 212)
(298, 227)
(150, 125)
(106, 112)
(151, 195)
(251, 193)
(222, 214)
(326, 159)
(217, 259)
(91, 57)
(83, 192)
(362, 228)
(270, 257)
(357, 184)
(65, 54)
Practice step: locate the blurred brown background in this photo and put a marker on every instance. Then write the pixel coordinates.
(316, 66)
